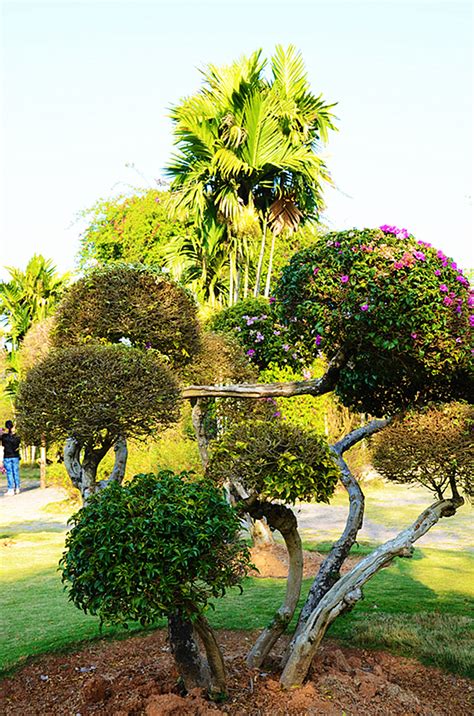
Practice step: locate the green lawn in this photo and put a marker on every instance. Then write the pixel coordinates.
(420, 606)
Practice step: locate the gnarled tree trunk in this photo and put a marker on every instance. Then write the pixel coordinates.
(329, 571)
(348, 590)
(193, 669)
(282, 519)
(81, 462)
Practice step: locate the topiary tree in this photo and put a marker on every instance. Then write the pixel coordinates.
(98, 395)
(433, 447)
(265, 466)
(391, 316)
(94, 398)
(135, 304)
(160, 546)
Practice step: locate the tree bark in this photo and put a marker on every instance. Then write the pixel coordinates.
(120, 464)
(215, 661)
(329, 571)
(282, 519)
(260, 533)
(83, 473)
(192, 668)
(198, 415)
(348, 590)
(318, 386)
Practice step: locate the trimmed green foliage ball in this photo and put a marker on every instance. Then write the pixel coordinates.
(398, 309)
(275, 460)
(90, 392)
(433, 447)
(157, 545)
(134, 303)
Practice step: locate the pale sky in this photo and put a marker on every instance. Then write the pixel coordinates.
(86, 88)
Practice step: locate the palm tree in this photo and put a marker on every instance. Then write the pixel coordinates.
(248, 144)
(28, 297)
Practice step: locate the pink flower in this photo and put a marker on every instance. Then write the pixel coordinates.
(306, 374)
(318, 340)
(443, 288)
(272, 299)
(344, 279)
(414, 336)
(316, 270)
(470, 300)
(419, 255)
(471, 320)
(364, 307)
(447, 301)
(437, 272)
(462, 280)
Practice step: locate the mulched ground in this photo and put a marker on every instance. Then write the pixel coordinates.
(137, 677)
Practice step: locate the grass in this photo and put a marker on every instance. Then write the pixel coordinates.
(417, 607)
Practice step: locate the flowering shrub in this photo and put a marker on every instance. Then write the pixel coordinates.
(399, 309)
(254, 323)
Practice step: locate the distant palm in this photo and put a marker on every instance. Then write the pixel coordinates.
(247, 147)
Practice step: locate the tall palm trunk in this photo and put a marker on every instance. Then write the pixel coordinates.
(270, 266)
(260, 259)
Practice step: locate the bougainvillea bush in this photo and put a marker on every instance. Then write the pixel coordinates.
(398, 309)
(255, 324)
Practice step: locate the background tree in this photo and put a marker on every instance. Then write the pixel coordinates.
(28, 297)
(248, 145)
(120, 569)
(133, 228)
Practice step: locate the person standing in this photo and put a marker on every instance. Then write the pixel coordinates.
(11, 458)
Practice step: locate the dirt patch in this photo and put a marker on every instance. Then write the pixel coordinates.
(272, 561)
(137, 677)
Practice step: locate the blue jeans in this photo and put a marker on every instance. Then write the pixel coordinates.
(12, 468)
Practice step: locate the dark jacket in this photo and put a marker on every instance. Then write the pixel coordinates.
(11, 445)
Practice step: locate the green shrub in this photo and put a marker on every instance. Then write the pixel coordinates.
(276, 460)
(160, 544)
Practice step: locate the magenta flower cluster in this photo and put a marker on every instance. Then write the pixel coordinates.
(401, 233)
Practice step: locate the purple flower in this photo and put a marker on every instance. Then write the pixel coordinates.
(307, 372)
(459, 308)
(443, 288)
(447, 301)
(272, 299)
(462, 280)
(364, 307)
(316, 270)
(259, 337)
(471, 320)
(419, 255)
(403, 234)
(148, 345)
(458, 340)
(318, 340)
(276, 414)
(250, 321)
(250, 352)
(344, 279)
(440, 255)
(337, 244)
(437, 272)
(454, 265)
(470, 300)
(276, 333)
(286, 347)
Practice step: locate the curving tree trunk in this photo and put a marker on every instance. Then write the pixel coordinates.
(198, 415)
(263, 242)
(348, 590)
(281, 518)
(82, 461)
(329, 571)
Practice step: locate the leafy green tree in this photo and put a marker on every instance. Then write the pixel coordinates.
(160, 546)
(29, 296)
(247, 148)
(132, 228)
